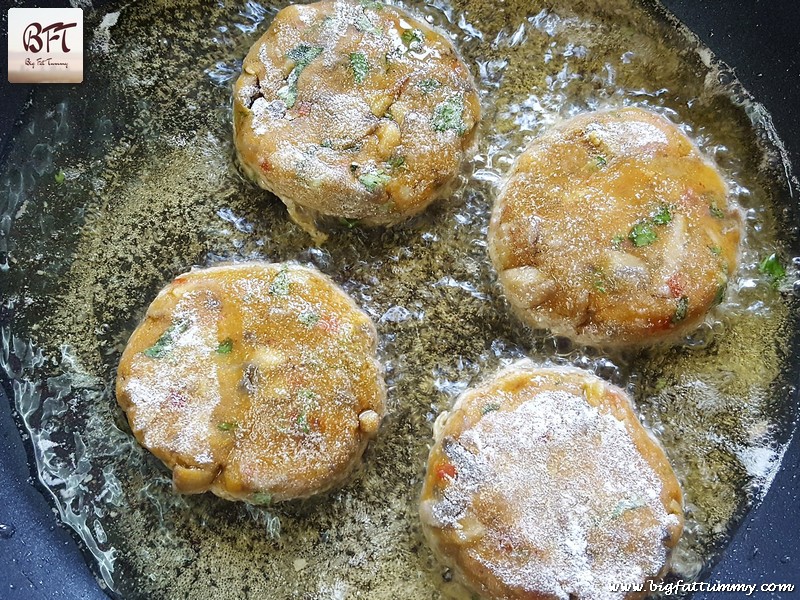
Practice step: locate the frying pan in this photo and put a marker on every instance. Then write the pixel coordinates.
(39, 559)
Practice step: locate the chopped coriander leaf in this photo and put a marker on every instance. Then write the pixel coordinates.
(681, 309)
(490, 408)
(365, 25)
(413, 38)
(280, 285)
(349, 223)
(261, 499)
(601, 161)
(227, 426)
(372, 4)
(617, 240)
(663, 216)
(624, 506)
(288, 94)
(448, 115)
(60, 177)
(642, 234)
(164, 343)
(600, 285)
(307, 395)
(428, 85)
(374, 180)
(716, 211)
(302, 423)
(720, 296)
(359, 66)
(309, 318)
(715, 250)
(302, 56)
(225, 346)
(327, 143)
(772, 268)
(396, 161)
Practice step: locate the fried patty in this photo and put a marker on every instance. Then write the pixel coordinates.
(258, 382)
(353, 110)
(613, 229)
(542, 484)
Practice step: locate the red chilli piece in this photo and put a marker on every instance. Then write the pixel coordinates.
(676, 285)
(446, 470)
(304, 109)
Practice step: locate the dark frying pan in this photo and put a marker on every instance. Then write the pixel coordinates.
(40, 559)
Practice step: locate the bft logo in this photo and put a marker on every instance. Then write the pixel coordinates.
(45, 45)
(32, 36)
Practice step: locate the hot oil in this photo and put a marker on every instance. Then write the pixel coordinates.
(149, 188)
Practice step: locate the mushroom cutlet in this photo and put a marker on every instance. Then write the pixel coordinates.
(543, 485)
(613, 229)
(258, 382)
(353, 110)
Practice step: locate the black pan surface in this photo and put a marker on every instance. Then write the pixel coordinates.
(39, 559)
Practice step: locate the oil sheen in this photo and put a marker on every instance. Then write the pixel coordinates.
(114, 186)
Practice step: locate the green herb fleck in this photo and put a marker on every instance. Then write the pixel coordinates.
(302, 423)
(302, 56)
(772, 268)
(617, 240)
(280, 285)
(374, 180)
(448, 115)
(715, 250)
(225, 346)
(309, 318)
(428, 85)
(261, 499)
(642, 234)
(396, 161)
(716, 211)
(601, 161)
(60, 177)
(164, 344)
(365, 25)
(359, 66)
(227, 426)
(599, 284)
(490, 408)
(349, 223)
(624, 506)
(307, 395)
(327, 143)
(720, 296)
(413, 39)
(663, 216)
(372, 4)
(681, 309)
